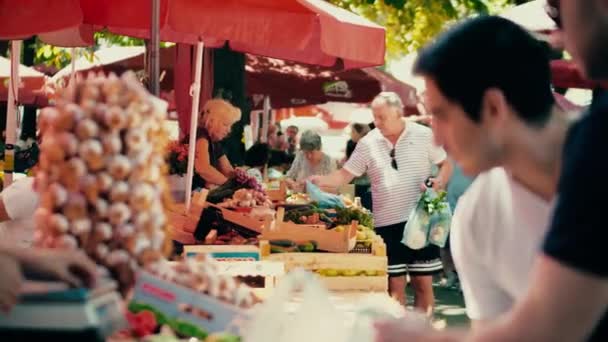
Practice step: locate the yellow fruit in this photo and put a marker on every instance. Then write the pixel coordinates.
(331, 273)
(371, 273)
(349, 273)
(339, 229)
(361, 236)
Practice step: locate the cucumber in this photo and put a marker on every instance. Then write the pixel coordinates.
(282, 243)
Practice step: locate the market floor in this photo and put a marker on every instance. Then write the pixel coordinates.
(449, 307)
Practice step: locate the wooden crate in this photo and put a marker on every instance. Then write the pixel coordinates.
(326, 239)
(242, 219)
(376, 261)
(182, 223)
(278, 195)
(367, 284)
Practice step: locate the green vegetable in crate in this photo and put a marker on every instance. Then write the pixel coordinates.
(344, 216)
(283, 246)
(306, 215)
(307, 247)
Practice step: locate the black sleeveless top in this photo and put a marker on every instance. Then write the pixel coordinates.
(215, 150)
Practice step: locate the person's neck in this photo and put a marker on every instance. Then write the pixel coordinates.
(536, 154)
(393, 138)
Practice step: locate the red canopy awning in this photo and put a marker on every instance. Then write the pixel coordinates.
(288, 84)
(30, 86)
(307, 31)
(25, 18)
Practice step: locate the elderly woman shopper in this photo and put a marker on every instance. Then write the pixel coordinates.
(309, 161)
(211, 164)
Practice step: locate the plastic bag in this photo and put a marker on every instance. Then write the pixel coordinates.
(429, 222)
(324, 199)
(417, 227)
(441, 220)
(316, 319)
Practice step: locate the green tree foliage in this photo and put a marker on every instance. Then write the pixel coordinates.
(412, 23)
(59, 57)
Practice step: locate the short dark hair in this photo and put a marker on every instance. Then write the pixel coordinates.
(257, 155)
(491, 52)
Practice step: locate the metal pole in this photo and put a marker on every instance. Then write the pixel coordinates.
(72, 66)
(154, 48)
(195, 91)
(11, 113)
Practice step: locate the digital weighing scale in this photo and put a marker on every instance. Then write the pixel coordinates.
(50, 310)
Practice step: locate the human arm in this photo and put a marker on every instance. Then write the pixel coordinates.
(354, 167)
(224, 166)
(72, 267)
(202, 164)
(10, 282)
(438, 156)
(443, 176)
(558, 315)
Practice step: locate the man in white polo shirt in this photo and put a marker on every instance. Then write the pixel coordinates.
(398, 157)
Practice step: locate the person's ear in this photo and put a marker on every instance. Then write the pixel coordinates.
(494, 109)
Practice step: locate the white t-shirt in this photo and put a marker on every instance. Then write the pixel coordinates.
(20, 201)
(395, 192)
(497, 231)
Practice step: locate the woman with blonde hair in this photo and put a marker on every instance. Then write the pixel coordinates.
(211, 164)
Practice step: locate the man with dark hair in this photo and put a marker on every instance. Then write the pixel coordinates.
(292, 139)
(488, 88)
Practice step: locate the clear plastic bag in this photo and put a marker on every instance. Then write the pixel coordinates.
(441, 221)
(429, 222)
(416, 231)
(324, 199)
(316, 319)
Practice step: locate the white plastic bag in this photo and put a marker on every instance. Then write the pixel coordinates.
(316, 319)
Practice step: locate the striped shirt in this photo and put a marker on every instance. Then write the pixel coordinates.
(395, 192)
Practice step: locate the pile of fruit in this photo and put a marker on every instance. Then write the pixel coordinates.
(331, 272)
(246, 198)
(101, 174)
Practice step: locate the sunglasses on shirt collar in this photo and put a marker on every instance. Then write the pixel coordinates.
(393, 160)
(552, 9)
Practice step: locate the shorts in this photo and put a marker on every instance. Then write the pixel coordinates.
(403, 260)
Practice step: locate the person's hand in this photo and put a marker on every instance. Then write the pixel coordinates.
(71, 267)
(413, 327)
(315, 179)
(10, 281)
(437, 185)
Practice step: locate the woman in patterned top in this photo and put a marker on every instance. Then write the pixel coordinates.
(309, 161)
